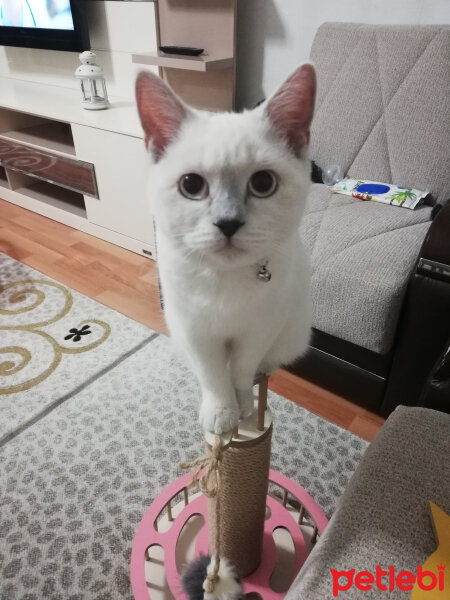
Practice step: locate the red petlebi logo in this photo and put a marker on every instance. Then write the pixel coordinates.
(403, 580)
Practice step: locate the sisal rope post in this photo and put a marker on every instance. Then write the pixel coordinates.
(235, 481)
(241, 503)
(241, 497)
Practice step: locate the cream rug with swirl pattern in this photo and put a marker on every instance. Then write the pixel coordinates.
(53, 342)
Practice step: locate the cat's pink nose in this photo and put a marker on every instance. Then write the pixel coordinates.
(228, 226)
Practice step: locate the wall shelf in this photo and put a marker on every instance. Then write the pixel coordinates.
(204, 62)
(206, 81)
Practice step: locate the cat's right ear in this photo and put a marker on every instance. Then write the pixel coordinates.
(160, 110)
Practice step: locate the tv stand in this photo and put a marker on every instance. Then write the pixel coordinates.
(84, 169)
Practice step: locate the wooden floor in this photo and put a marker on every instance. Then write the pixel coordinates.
(128, 283)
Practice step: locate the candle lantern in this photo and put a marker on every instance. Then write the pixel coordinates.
(93, 86)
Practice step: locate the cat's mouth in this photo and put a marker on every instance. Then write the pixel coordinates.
(231, 249)
(225, 252)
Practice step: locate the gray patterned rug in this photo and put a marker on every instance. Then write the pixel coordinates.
(53, 342)
(102, 439)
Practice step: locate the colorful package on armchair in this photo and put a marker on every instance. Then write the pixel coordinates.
(380, 192)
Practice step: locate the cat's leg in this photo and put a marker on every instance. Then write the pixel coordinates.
(219, 411)
(290, 344)
(244, 360)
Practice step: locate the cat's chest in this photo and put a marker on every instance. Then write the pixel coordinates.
(221, 300)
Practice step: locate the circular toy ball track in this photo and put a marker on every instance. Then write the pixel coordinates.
(174, 530)
(163, 536)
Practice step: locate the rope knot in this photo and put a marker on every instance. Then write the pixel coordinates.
(209, 482)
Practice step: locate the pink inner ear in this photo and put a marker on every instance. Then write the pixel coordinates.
(291, 109)
(160, 111)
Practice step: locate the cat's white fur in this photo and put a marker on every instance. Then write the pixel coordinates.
(229, 323)
(228, 586)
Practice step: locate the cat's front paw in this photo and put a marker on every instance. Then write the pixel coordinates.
(218, 419)
(245, 401)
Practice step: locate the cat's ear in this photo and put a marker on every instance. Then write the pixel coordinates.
(160, 110)
(291, 108)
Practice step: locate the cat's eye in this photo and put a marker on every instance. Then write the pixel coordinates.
(193, 186)
(262, 184)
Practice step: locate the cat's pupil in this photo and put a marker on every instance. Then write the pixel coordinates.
(193, 186)
(262, 183)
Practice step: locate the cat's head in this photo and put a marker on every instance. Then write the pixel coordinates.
(228, 188)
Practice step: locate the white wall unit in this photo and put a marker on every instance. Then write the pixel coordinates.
(63, 104)
(120, 166)
(75, 221)
(86, 169)
(40, 109)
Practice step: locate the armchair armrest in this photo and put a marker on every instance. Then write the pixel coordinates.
(436, 392)
(424, 326)
(434, 255)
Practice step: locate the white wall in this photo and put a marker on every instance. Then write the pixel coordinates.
(116, 29)
(274, 36)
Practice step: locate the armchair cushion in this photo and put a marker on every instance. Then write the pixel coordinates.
(362, 255)
(381, 114)
(383, 103)
(383, 517)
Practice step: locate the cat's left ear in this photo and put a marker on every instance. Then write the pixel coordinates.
(160, 110)
(291, 108)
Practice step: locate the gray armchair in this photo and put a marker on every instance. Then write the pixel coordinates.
(381, 311)
(383, 517)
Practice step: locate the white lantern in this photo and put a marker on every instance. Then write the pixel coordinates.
(93, 87)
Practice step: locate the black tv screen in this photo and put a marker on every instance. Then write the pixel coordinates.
(51, 24)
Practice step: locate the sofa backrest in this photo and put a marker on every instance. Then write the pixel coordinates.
(383, 104)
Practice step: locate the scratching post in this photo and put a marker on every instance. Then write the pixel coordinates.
(228, 488)
(242, 497)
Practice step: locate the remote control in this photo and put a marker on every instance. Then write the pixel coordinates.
(186, 50)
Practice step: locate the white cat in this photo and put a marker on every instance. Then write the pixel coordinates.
(228, 191)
